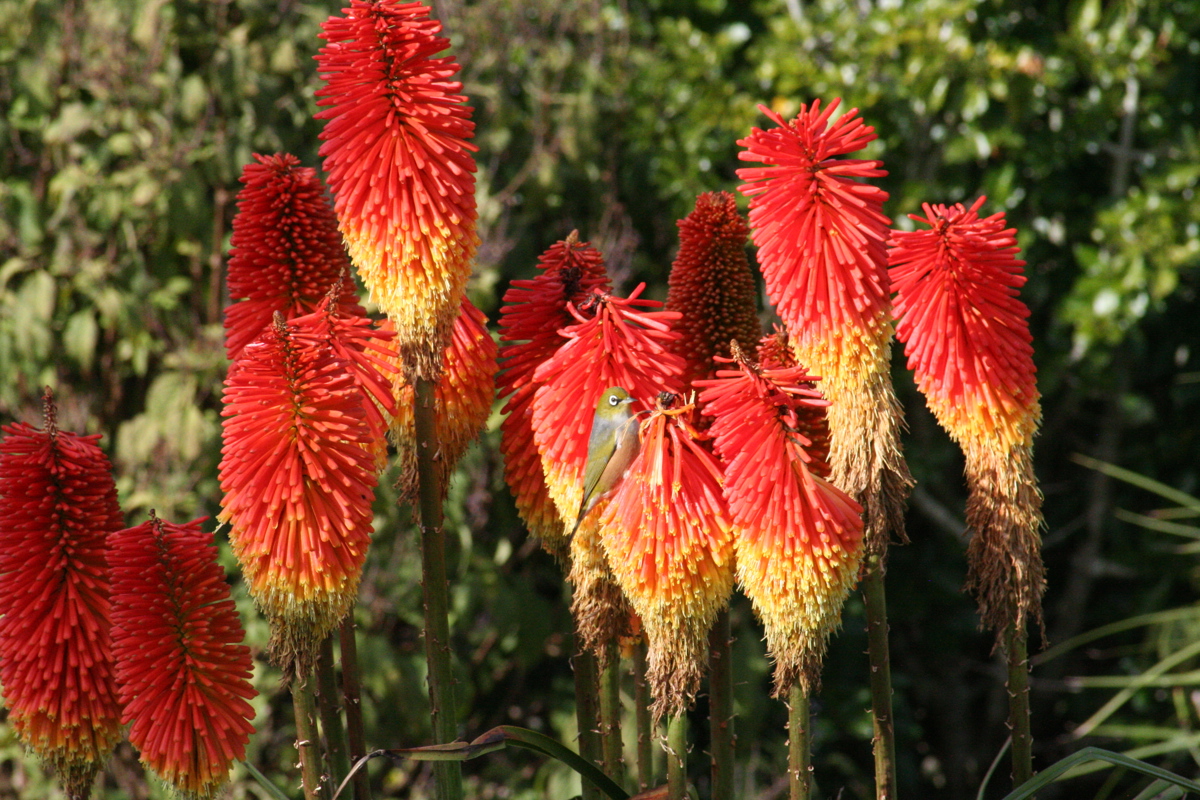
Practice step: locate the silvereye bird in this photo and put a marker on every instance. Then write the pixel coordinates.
(611, 448)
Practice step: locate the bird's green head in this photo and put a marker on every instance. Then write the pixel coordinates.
(613, 403)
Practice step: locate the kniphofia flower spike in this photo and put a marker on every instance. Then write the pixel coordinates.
(967, 339)
(183, 671)
(533, 314)
(400, 168)
(58, 503)
(797, 537)
(821, 236)
(668, 537)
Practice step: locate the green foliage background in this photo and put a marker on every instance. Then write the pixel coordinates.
(124, 125)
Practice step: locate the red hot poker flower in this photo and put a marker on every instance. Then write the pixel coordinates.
(712, 286)
(400, 167)
(183, 671)
(798, 539)
(667, 535)
(286, 251)
(821, 234)
(533, 314)
(298, 474)
(967, 339)
(58, 502)
(462, 399)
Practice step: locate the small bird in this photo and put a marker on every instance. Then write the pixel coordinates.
(611, 448)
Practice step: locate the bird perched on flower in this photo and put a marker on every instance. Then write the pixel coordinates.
(612, 446)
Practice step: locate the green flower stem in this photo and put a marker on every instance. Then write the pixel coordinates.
(587, 712)
(434, 586)
(610, 713)
(677, 757)
(645, 725)
(720, 707)
(331, 714)
(308, 740)
(799, 744)
(881, 680)
(352, 700)
(1018, 704)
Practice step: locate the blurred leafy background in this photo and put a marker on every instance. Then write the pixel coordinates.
(124, 125)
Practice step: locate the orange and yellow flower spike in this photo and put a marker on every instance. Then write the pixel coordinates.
(667, 535)
(463, 398)
(286, 254)
(798, 538)
(821, 236)
(400, 168)
(533, 313)
(183, 671)
(967, 338)
(298, 476)
(711, 285)
(58, 503)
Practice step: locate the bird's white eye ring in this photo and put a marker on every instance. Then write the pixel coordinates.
(614, 400)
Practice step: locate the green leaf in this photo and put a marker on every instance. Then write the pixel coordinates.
(1059, 770)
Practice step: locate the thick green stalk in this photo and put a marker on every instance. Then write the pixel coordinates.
(677, 757)
(611, 744)
(881, 680)
(1018, 704)
(799, 744)
(587, 714)
(352, 699)
(308, 740)
(720, 707)
(434, 585)
(645, 725)
(331, 714)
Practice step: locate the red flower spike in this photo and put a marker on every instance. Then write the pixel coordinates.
(798, 539)
(774, 352)
(533, 314)
(712, 286)
(183, 671)
(668, 537)
(821, 234)
(619, 345)
(462, 399)
(57, 504)
(298, 474)
(400, 167)
(967, 340)
(286, 252)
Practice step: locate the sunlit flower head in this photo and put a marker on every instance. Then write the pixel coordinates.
(400, 167)
(711, 285)
(298, 476)
(183, 671)
(668, 538)
(533, 314)
(967, 339)
(821, 232)
(286, 253)
(797, 538)
(58, 502)
(462, 400)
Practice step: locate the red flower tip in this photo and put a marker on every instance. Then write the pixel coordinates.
(798, 538)
(400, 166)
(286, 252)
(183, 671)
(966, 333)
(533, 314)
(58, 502)
(622, 343)
(298, 474)
(820, 233)
(711, 285)
(668, 538)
